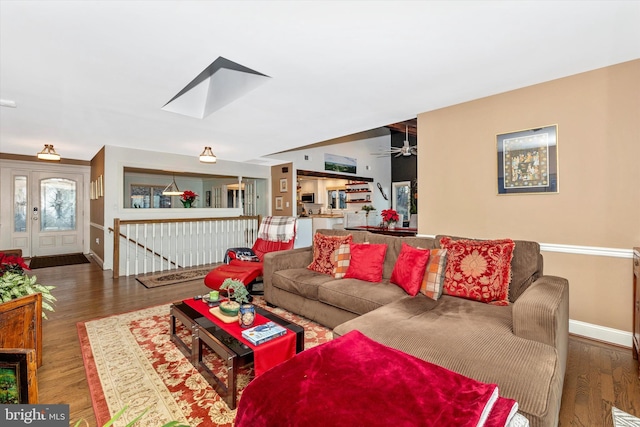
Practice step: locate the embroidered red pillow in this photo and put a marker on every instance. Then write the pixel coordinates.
(367, 261)
(323, 249)
(409, 268)
(478, 269)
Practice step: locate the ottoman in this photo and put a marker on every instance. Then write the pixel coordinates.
(245, 273)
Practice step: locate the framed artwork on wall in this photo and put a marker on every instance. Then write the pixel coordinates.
(528, 161)
(279, 203)
(283, 185)
(18, 376)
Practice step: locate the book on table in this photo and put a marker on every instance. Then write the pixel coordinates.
(263, 333)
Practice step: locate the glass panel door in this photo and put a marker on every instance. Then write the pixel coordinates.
(401, 199)
(56, 214)
(57, 204)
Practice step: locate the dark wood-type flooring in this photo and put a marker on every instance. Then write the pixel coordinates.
(598, 375)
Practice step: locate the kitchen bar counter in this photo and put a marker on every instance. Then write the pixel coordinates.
(398, 231)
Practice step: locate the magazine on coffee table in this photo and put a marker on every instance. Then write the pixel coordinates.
(263, 333)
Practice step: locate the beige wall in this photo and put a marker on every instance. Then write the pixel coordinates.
(598, 204)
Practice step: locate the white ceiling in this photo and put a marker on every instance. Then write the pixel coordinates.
(90, 73)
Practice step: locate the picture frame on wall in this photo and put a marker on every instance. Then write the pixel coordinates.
(279, 203)
(283, 185)
(18, 376)
(207, 198)
(528, 161)
(100, 189)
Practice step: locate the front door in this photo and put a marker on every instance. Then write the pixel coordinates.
(56, 213)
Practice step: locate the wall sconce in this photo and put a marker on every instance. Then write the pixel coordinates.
(48, 153)
(207, 156)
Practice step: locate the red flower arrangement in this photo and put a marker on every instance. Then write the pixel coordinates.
(390, 215)
(12, 264)
(188, 196)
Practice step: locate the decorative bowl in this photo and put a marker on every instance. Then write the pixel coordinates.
(229, 308)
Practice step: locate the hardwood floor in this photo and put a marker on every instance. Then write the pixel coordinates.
(598, 375)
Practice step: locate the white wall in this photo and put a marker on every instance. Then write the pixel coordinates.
(117, 158)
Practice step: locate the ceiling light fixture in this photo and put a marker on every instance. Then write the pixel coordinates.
(48, 153)
(207, 156)
(172, 189)
(8, 103)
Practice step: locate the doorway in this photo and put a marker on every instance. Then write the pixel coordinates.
(46, 211)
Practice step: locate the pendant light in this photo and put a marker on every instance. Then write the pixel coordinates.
(48, 153)
(207, 156)
(172, 189)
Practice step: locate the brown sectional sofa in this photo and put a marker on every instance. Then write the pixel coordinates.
(521, 347)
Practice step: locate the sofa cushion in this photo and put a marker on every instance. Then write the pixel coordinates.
(394, 246)
(478, 269)
(358, 296)
(433, 279)
(367, 260)
(409, 269)
(323, 249)
(524, 267)
(436, 331)
(299, 281)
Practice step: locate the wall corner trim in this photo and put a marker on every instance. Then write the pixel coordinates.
(600, 333)
(575, 249)
(587, 250)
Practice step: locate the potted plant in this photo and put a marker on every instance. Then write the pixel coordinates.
(367, 209)
(390, 217)
(14, 282)
(237, 294)
(188, 198)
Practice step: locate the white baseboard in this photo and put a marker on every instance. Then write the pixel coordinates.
(601, 333)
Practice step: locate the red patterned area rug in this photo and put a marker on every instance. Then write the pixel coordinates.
(130, 360)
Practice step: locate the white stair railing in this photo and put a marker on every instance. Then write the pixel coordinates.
(156, 245)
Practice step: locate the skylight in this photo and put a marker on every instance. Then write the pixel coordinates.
(220, 84)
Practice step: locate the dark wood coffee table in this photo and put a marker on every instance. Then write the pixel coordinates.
(206, 334)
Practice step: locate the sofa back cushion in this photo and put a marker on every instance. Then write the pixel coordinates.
(526, 265)
(394, 244)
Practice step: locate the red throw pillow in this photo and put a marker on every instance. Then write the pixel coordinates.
(478, 269)
(409, 268)
(323, 249)
(367, 261)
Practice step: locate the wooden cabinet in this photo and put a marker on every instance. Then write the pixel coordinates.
(21, 324)
(636, 302)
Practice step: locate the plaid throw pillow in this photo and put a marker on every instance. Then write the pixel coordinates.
(341, 259)
(433, 279)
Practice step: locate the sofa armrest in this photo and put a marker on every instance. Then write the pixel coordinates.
(284, 260)
(541, 314)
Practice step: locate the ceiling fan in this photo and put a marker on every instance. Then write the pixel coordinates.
(406, 150)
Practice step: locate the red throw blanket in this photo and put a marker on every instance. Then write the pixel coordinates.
(355, 381)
